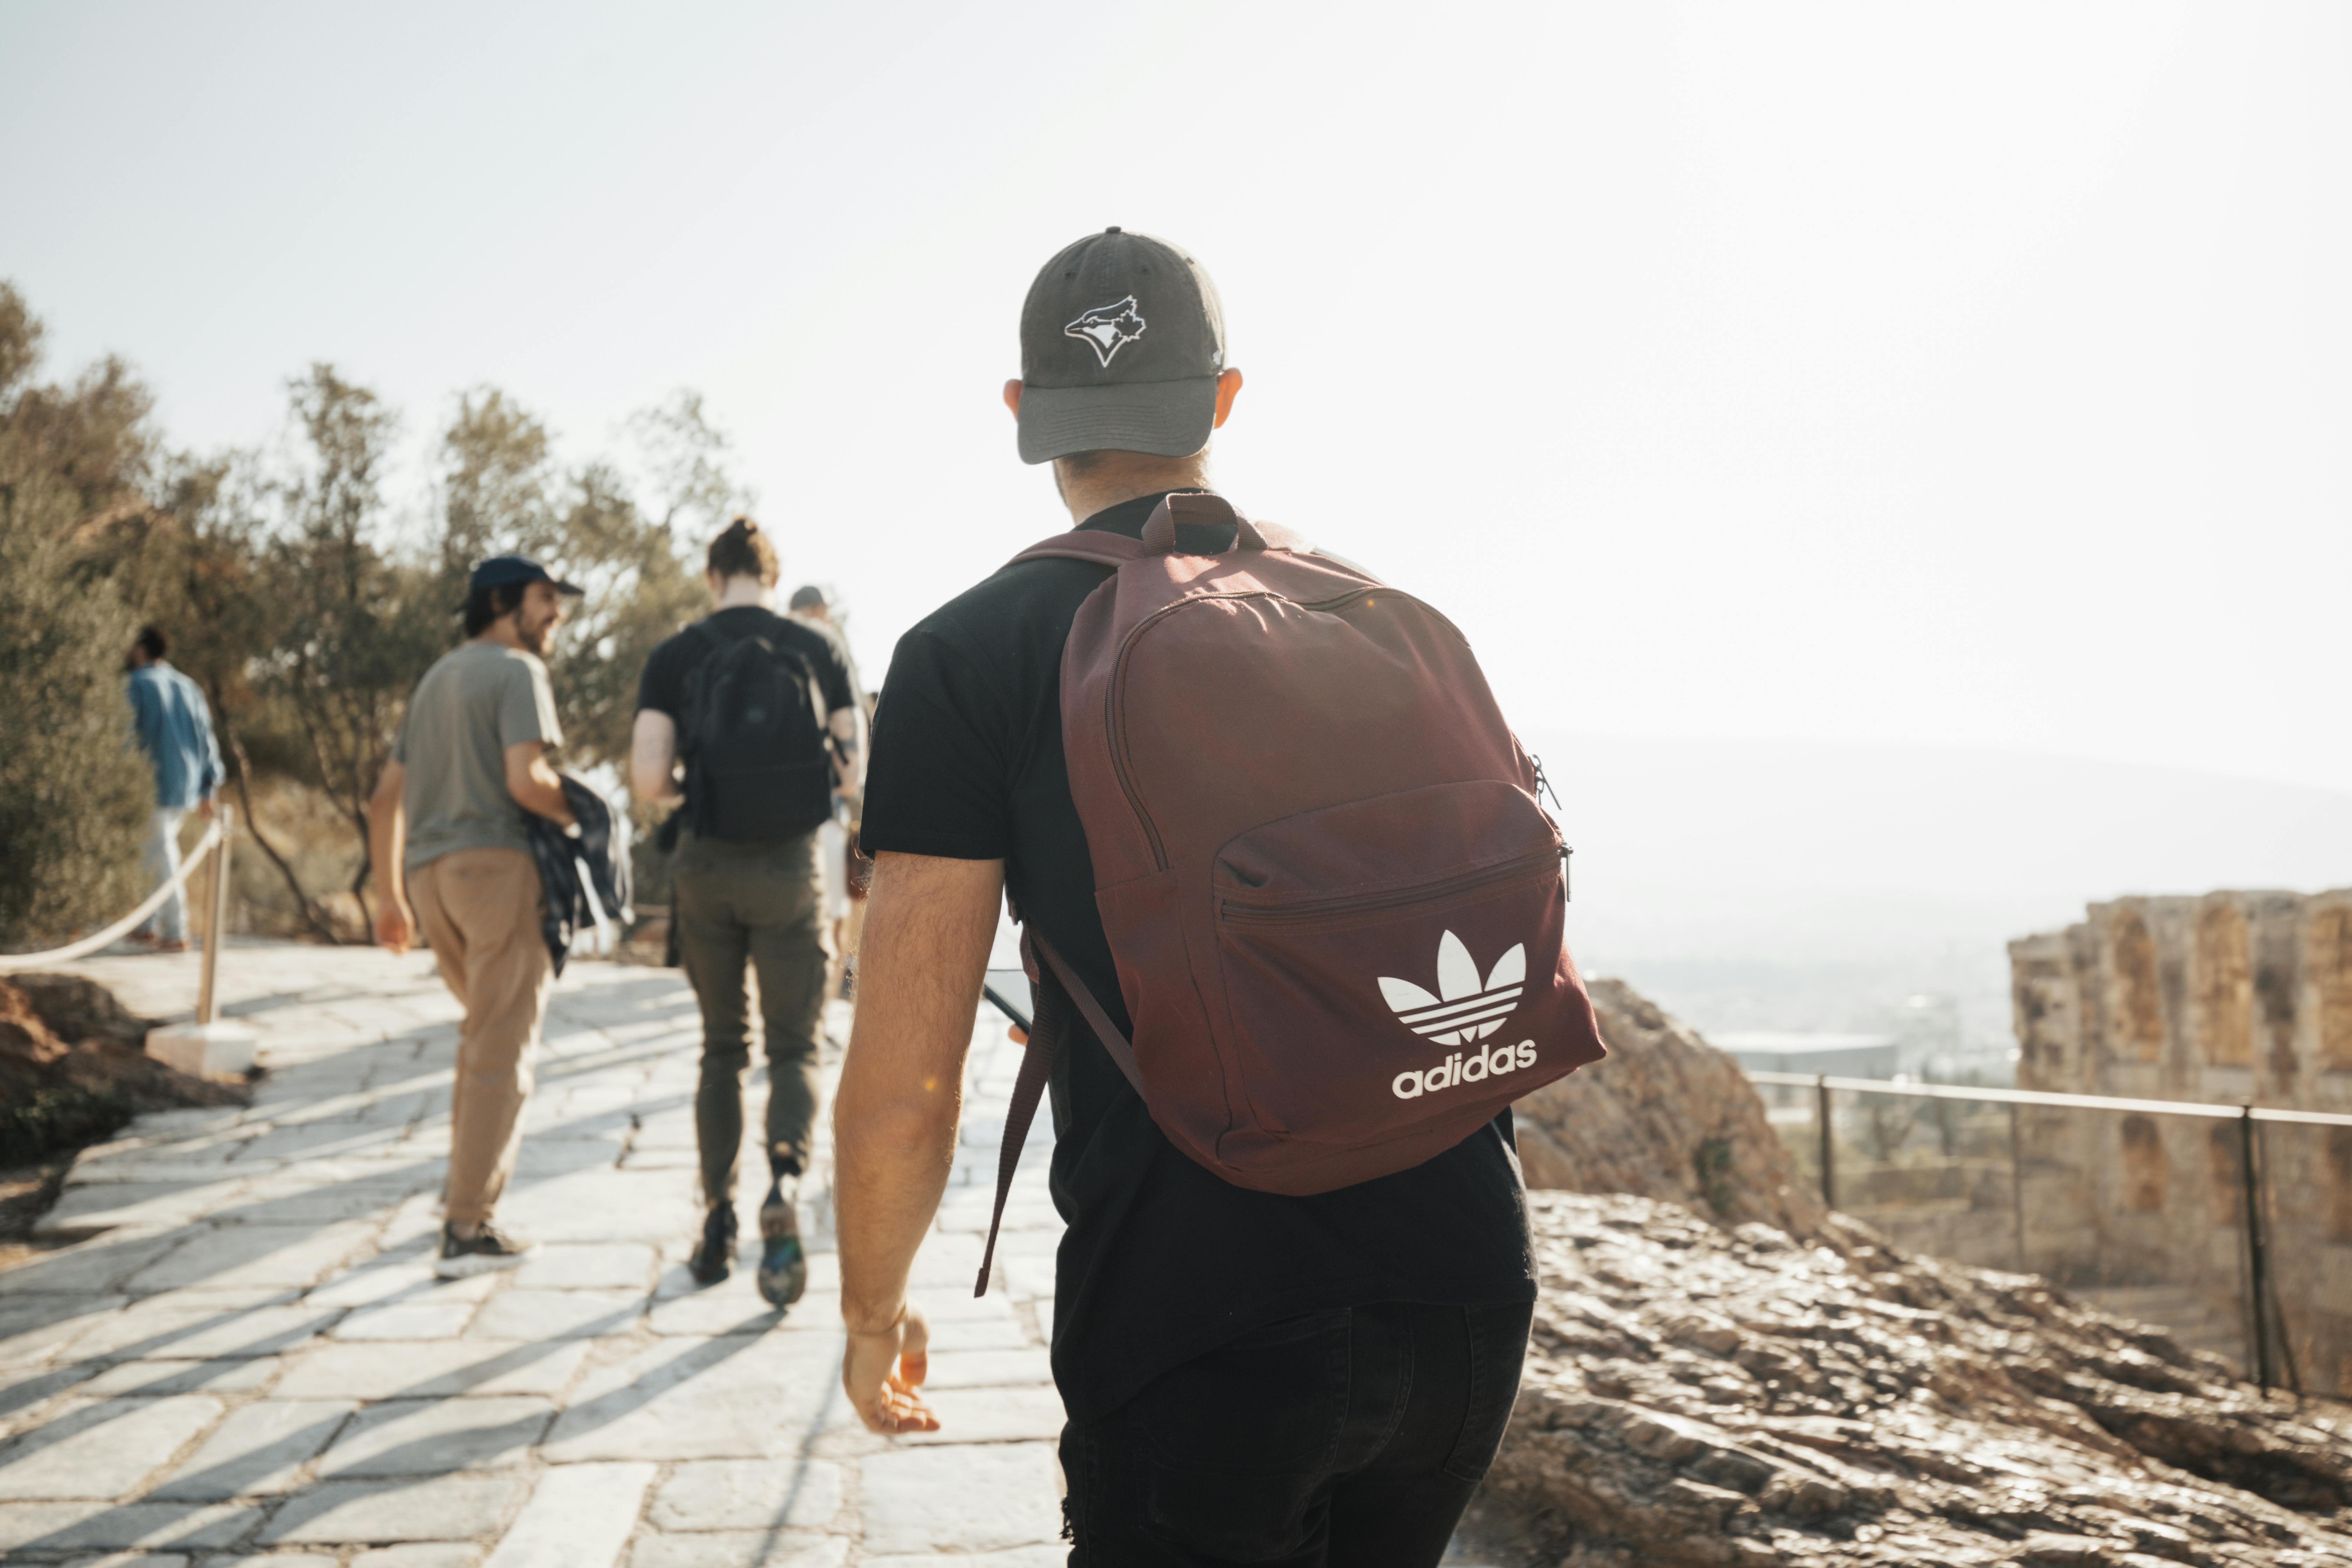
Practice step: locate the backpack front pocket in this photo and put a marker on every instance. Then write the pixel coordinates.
(1389, 962)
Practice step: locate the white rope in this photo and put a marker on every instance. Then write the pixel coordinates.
(10, 964)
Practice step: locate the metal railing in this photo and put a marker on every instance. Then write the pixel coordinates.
(2095, 1192)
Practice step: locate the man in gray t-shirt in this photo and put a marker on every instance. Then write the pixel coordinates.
(446, 834)
(468, 710)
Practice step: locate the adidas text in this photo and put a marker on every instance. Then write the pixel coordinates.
(1492, 1062)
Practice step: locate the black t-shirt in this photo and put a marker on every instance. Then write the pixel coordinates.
(662, 688)
(1162, 1259)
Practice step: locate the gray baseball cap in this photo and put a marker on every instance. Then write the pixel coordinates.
(1121, 344)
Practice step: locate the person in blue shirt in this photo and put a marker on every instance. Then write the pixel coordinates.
(176, 731)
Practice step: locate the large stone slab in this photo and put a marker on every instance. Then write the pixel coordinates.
(430, 1369)
(165, 1330)
(420, 1554)
(407, 1320)
(964, 1498)
(32, 1327)
(613, 1265)
(741, 1549)
(282, 1201)
(1054, 1555)
(259, 1448)
(580, 1516)
(749, 1494)
(98, 1526)
(433, 1436)
(98, 1267)
(516, 1313)
(992, 1415)
(232, 1254)
(999, 1333)
(449, 1508)
(988, 1369)
(739, 1398)
(731, 1307)
(100, 1447)
(155, 1379)
(102, 1205)
(603, 1206)
(319, 1140)
(23, 1393)
(384, 1277)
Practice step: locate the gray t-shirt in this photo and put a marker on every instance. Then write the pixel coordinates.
(469, 708)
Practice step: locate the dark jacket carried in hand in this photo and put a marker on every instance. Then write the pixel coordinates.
(583, 871)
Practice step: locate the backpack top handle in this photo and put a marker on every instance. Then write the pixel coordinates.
(1196, 507)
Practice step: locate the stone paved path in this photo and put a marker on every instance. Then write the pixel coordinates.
(243, 1357)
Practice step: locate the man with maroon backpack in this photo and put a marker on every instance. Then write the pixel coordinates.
(1294, 919)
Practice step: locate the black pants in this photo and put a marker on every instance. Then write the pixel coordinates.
(1350, 1438)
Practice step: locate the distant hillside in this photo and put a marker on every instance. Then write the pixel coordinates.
(1770, 884)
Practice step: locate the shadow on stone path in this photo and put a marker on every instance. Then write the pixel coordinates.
(241, 1354)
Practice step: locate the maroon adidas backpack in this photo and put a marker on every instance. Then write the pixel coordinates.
(1336, 908)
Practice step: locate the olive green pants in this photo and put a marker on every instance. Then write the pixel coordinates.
(743, 908)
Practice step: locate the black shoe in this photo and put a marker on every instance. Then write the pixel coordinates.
(784, 1266)
(715, 1258)
(488, 1249)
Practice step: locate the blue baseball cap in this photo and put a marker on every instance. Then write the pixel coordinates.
(503, 570)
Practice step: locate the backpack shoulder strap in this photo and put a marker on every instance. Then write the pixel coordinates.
(1085, 544)
(1113, 1041)
(1049, 1025)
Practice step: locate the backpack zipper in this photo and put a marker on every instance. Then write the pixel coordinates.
(1115, 729)
(1524, 866)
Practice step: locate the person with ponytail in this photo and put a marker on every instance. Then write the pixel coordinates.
(749, 723)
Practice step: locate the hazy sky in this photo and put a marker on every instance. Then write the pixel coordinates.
(1968, 374)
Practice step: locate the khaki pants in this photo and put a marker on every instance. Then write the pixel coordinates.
(758, 907)
(480, 910)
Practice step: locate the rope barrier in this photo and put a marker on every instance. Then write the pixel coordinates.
(14, 963)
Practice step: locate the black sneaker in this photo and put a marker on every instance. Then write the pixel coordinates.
(783, 1268)
(488, 1249)
(715, 1258)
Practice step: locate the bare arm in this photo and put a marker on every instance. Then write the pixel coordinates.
(928, 924)
(653, 757)
(530, 779)
(387, 845)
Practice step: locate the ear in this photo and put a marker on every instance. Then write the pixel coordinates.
(1013, 397)
(1229, 386)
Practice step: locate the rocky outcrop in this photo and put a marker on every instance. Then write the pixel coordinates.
(68, 1075)
(1725, 1375)
(1666, 1115)
(1709, 1395)
(76, 1008)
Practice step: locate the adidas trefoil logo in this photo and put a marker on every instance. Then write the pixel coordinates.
(1106, 329)
(1464, 1010)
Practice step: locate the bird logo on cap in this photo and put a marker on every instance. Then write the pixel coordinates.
(1106, 329)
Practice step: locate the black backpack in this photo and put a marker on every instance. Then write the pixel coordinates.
(759, 765)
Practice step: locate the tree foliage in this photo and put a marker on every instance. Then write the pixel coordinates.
(74, 791)
(295, 602)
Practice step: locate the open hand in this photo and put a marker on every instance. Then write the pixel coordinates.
(881, 1371)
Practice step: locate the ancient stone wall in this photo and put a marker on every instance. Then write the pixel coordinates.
(2235, 997)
